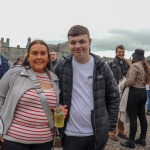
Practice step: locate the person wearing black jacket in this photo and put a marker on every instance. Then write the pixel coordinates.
(119, 67)
(54, 60)
(90, 91)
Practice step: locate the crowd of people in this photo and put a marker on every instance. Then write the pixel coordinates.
(85, 86)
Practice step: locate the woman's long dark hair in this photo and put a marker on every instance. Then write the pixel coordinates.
(26, 62)
(147, 71)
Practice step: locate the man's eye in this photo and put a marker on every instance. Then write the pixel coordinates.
(81, 42)
(72, 42)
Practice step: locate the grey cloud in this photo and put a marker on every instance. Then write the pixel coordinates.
(130, 39)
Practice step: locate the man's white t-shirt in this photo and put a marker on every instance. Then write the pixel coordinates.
(82, 103)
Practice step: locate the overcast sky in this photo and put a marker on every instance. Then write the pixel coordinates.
(110, 22)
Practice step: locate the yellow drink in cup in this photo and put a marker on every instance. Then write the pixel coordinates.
(59, 118)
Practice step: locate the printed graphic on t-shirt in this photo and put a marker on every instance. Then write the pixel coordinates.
(90, 77)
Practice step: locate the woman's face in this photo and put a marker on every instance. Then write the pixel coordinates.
(38, 57)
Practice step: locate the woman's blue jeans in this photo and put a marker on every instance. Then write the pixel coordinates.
(148, 99)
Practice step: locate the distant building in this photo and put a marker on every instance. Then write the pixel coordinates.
(13, 53)
(61, 49)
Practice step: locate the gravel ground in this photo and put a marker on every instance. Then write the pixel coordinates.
(112, 145)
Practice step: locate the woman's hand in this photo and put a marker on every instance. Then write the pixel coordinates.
(65, 110)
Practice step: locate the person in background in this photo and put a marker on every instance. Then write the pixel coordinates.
(54, 60)
(137, 78)
(25, 59)
(4, 64)
(90, 91)
(26, 126)
(18, 62)
(119, 67)
(148, 99)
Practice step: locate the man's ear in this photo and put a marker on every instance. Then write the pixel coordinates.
(90, 41)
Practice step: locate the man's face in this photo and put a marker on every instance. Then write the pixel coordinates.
(120, 53)
(79, 46)
(53, 56)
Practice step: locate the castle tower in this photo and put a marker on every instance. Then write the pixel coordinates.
(2, 40)
(29, 41)
(3, 43)
(7, 42)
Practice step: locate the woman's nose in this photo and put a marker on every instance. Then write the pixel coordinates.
(39, 56)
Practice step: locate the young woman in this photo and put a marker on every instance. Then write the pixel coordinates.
(137, 78)
(26, 126)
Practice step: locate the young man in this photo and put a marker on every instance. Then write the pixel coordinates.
(119, 67)
(89, 90)
(53, 58)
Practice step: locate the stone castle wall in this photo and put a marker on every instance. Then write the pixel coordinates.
(12, 53)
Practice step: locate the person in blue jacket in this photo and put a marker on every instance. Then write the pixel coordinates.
(4, 65)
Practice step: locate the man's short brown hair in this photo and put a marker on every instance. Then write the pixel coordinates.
(119, 46)
(78, 30)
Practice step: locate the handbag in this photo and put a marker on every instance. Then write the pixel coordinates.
(57, 142)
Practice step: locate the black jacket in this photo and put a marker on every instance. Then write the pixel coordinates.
(119, 70)
(53, 65)
(106, 97)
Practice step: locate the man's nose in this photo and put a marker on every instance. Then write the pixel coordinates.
(77, 45)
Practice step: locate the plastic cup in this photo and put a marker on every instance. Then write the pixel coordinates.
(59, 117)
